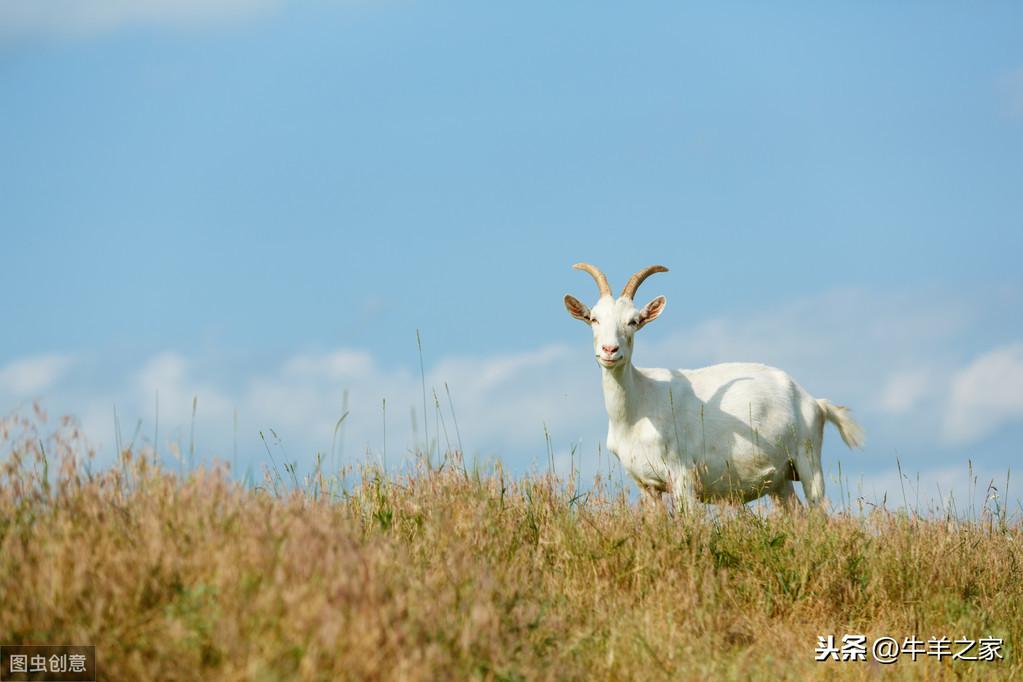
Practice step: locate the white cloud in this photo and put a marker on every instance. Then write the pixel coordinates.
(985, 395)
(169, 374)
(509, 398)
(502, 403)
(21, 18)
(904, 390)
(336, 366)
(169, 378)
(28, 377)
(841, 345)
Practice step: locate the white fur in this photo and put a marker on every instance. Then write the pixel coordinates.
(730, 431)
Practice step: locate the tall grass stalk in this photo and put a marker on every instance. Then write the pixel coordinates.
(422, 377)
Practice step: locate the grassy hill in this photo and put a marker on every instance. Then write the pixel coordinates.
(450, 574)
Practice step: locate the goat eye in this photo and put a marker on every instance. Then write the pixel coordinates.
(593, 320)
(633, 323)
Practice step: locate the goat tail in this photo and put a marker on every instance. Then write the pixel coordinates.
(841, 417)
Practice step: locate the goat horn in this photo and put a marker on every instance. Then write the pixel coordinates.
(630, 288)
(605, 288)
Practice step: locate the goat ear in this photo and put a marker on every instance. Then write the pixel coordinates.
(577, 309)
(651, 310)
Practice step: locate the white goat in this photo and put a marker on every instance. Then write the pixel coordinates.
(730, 431)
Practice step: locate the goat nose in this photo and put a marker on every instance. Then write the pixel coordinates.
(609, 349)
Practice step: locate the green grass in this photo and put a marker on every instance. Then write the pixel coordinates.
(447, 574)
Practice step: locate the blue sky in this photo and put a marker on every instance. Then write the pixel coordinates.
(259, 203)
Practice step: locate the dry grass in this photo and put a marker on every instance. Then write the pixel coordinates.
(445, 575)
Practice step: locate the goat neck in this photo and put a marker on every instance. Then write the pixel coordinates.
(620, 385)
